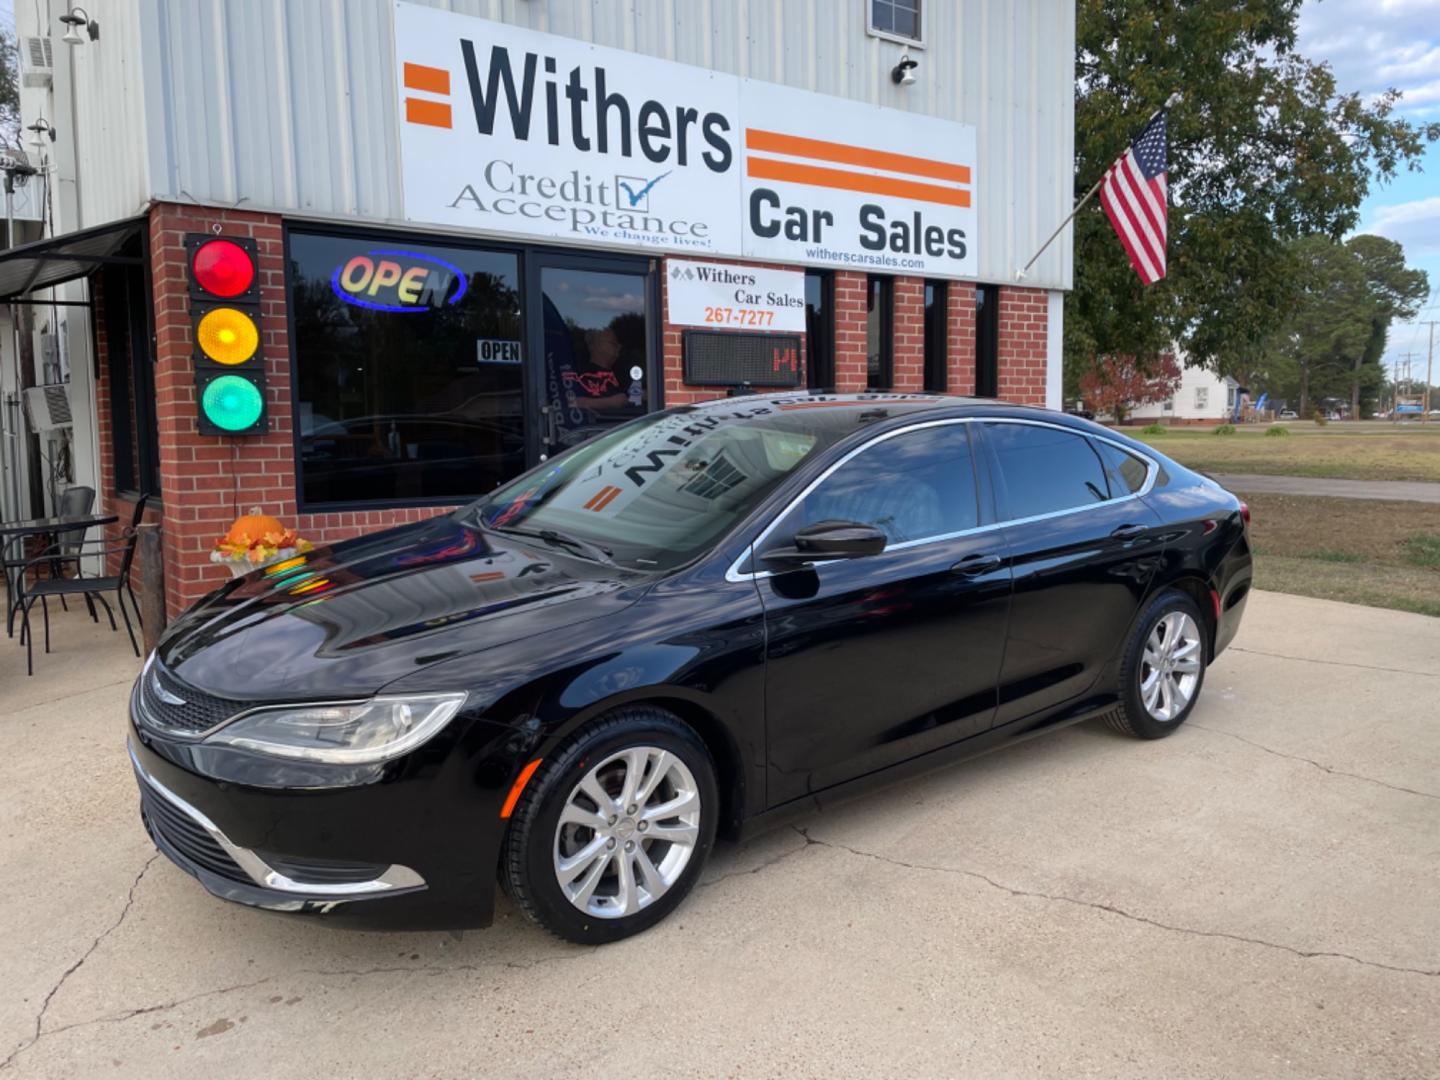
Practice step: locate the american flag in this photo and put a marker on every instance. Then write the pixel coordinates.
(1133, 194)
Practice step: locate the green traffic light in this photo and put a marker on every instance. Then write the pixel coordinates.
(232, 403)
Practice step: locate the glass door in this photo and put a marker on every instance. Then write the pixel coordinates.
(592, 324)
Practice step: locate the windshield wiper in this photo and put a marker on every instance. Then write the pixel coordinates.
(559, 539)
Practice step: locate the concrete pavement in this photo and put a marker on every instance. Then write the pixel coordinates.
(1255, 896)
(1403, 490)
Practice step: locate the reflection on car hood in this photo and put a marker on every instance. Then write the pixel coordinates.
(347, 619)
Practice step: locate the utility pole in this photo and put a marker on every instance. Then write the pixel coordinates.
(1402, 364)
(1429, 374)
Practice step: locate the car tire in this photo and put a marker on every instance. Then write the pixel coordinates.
(1162, 669)
(592, 873)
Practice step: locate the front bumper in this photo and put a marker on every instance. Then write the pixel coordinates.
(200, 847)
(413, 846)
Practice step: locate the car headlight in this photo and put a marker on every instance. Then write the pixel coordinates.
(355, 733)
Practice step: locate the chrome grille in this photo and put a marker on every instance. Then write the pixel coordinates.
(169, 705)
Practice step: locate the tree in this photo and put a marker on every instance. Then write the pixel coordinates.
(1263, 149)
(1115, 384)
(9, 92)
(1395, 292)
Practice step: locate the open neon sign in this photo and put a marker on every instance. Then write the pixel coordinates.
(398, 281)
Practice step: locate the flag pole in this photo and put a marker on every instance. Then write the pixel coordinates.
(1170, 102)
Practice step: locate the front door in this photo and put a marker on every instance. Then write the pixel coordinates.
(592, 324)
(875, 660)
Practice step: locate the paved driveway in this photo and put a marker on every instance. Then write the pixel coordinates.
(1256, 896)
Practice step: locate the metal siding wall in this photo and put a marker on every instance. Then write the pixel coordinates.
(109, 115)
(292, 106)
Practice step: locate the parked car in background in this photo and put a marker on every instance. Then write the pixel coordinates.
(693, 625)
(1289, 414)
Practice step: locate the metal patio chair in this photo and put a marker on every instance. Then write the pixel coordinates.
(92, 588)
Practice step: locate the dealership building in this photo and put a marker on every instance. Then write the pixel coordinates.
(355, 261)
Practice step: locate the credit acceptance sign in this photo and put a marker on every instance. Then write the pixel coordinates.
(513, 131)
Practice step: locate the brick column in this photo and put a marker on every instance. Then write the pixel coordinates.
(960, 338)
(1022, 346)
(849, 331)
(206, 479)
(908, 320)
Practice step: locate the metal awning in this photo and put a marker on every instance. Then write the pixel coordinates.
(65, 258)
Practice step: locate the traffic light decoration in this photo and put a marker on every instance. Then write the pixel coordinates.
(225, 325)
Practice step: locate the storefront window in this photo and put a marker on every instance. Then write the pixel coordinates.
(936, 325)
(408, 369)
(987, 341)
(819, 330)
(133, 431)
(879, 335)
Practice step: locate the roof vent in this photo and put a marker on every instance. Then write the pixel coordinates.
(37, 62)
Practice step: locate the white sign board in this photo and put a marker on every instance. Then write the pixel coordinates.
(512, 131)
(731, 296)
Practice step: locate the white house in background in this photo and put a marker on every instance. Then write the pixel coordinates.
(1203, 395)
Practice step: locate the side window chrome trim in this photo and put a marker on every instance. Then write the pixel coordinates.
(734, 573)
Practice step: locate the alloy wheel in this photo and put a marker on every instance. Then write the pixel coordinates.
(1170, 666)
(627, 832)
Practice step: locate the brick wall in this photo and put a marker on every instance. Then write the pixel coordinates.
(960, 338)
(1024, 314)
(207, 479)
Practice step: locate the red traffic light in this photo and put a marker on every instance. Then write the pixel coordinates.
(223, 268)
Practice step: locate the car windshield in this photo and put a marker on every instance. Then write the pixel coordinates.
(656, 493)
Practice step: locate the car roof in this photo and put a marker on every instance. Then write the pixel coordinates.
(895, 404)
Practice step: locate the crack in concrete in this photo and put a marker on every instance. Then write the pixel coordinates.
(77, 965)
(1319, 765)
(756, 869)
(1336, 663)
(50, 702)
(1305, 954)
(326, 973)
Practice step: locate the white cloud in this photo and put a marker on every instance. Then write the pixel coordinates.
(1375, 46)
(1414, 225)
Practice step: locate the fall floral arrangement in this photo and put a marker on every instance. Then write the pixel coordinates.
(255, 540)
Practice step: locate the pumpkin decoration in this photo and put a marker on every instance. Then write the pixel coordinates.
(253, 526)
(256, 540)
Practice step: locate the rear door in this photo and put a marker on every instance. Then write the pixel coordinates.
(1083, 548)
(874, 660)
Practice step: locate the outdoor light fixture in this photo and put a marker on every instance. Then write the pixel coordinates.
(41, 128)
(903, 73)
(77, 18)
(225, 320)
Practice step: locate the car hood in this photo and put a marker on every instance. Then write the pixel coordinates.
(345, 620)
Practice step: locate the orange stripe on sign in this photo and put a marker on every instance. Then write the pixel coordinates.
(840, 180)
(519, 786)
(432, 80)
(427, 112)
(799, 146)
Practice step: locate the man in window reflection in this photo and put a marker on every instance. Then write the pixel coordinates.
(603, 384)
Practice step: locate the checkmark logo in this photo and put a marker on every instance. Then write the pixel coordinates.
(636, 190)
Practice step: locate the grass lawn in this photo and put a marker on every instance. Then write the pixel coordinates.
(1363, 451)
(1384, 554)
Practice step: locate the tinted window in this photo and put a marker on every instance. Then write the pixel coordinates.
(911, 487)
(1044, 469)
(407, 369)
(879, 335)
(1126, 471)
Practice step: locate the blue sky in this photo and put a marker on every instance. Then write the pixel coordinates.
(1373, 45)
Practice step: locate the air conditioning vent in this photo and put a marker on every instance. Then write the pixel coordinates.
(48, 406)
(37, 62)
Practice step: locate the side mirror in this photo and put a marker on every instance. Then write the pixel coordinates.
(829, 540)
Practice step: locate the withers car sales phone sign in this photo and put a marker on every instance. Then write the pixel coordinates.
(733, 296)
(513, 131)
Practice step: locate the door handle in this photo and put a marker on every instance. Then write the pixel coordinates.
(975, 564)
(1129, 532)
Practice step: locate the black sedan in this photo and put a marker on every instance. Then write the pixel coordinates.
(696, 624)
